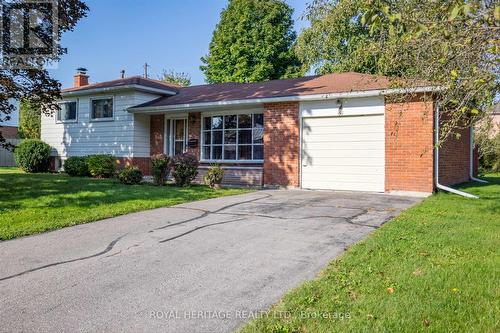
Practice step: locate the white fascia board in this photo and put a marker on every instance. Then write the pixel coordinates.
(119, 88)
(315, 97)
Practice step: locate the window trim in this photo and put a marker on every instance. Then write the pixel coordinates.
(101, 119)
(59, 121)
(231, 113)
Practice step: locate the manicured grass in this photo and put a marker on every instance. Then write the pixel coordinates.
(441, 259)
(34, 203)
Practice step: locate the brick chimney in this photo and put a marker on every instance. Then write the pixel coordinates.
(81, 78)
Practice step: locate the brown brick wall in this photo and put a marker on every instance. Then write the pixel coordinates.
(143, 163)
(281, 144)
(245, 176)
(157, 133)
(9, 132)
(454, 155)
(409, 143)
(194, 129)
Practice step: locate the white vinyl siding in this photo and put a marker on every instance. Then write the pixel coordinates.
(127, 135)
(342, 152)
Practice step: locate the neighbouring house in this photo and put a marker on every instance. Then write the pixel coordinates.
(9, 128)
(9, 131)
(336, 131)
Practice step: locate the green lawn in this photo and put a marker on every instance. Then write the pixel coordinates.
(34, 203)
(441, 259)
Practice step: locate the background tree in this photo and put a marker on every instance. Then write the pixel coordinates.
(34, 82)
(453, 44)
(254, 41)
(29, 121)
(179, 78)
(336, 40)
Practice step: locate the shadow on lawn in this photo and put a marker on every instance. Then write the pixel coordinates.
(493, 179)
(49, 190)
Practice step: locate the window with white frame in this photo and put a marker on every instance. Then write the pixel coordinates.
(233, 137)
(66, 112)
(101, 108)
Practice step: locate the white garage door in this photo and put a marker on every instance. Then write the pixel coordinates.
(344, 153)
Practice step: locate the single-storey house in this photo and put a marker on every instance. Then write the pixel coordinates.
(336, 131)
(9, 128)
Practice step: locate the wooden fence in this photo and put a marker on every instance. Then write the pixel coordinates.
(7, 156)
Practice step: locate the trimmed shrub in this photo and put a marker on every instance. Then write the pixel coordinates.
(101, 166)
(76, 166)
(161, 165)
(214, 176)
(130, 175)
(185, 169)
(33, 155)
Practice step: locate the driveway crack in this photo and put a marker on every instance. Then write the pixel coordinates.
(198, 228)
(106, 250)
(207, 212)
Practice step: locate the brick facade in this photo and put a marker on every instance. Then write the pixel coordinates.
(454, 157)
(9, 132)
(281, 144)
(157, 133)
(143, 163)
(409, 145)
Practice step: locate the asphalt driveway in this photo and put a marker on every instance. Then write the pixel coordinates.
(206, 266)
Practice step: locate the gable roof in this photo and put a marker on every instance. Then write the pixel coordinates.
(128, 81)
(309, 85)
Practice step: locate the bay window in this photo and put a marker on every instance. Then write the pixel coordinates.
(234, 137)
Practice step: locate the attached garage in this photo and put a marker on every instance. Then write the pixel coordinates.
(343, 145)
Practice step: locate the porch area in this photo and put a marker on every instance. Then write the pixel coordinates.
(233, 139)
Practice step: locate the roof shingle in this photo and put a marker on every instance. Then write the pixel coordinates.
(309, 85)
(133, 80)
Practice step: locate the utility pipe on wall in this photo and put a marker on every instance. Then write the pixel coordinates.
(436, 161)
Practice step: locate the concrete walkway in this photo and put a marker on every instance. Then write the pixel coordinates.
(197, 267)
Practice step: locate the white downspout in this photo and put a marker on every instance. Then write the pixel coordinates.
(436, 161)
(471, 166)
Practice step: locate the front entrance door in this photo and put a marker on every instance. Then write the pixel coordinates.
(176, 136)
